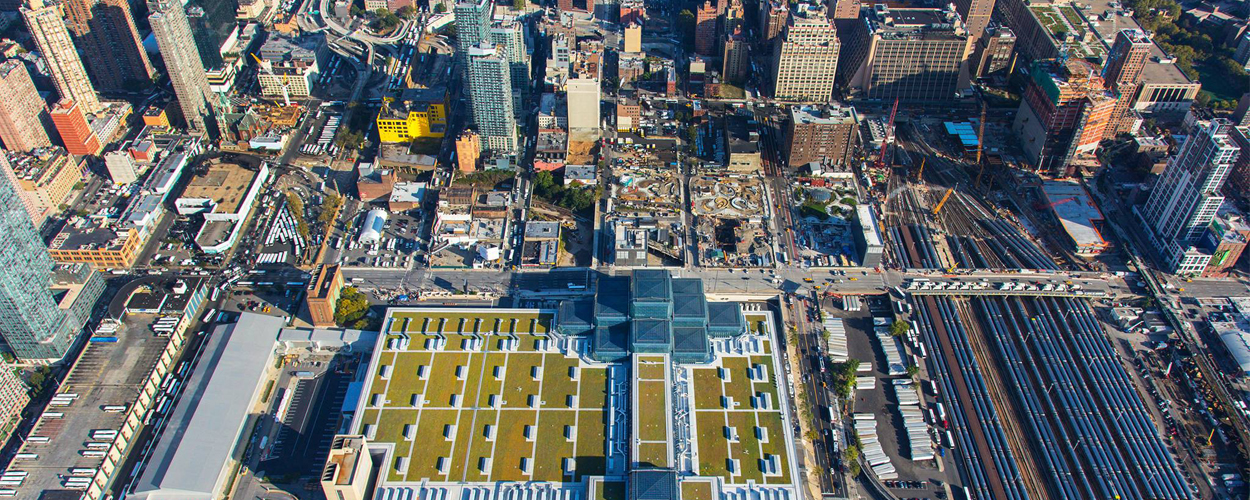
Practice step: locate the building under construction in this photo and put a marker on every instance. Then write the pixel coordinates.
(1065, 110)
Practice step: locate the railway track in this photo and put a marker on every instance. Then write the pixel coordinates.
(986, 477)
(1036, 481)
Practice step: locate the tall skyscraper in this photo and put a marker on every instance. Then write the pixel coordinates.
(1186, 197)
(774, 15)
(22, 113)
(47, 27)
(473, 18)
(1123, 76)
(30, 321)
(212, 23)
(105, 32)
(993, 51)
(820, 133)
(490, 96)
(508, 36)
(182, 62)
(736, 57)
(805, 60)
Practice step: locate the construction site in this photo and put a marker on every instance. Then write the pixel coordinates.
(731, 214)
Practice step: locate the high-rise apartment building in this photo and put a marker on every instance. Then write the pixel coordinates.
(30, 321)
(805, 60)
(584, 97)
(1122, 72)
(473, 19)
(182, 62)
(508, 36)
(13, 399)
(736, 57)
(705, 28)
(632, 11)
(22, 114)
(1064, 112)
(774, 15)
(820, 133)
(910, 54)
(76, 134)
(993, 52)
(1187, 196)
(104, 31)
(47, 28)
(976, 16)
(633, 38)
(490, 96)
(213, 24)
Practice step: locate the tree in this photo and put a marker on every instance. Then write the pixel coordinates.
(440, 8)
(913, 371)
(518, 4)
(352, 308)
(405, 12)
(899, 328)
(356, 11)
(331, 204)
(386, 20)
(38, 380)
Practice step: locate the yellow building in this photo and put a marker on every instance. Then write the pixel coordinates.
(422, 115)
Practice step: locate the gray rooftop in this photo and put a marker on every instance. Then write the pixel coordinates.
(284, 48)
(542, 229)
(612, 298)
(651, 331)
(190, 456)
(724, 314)
(687, 286)
(652, 285)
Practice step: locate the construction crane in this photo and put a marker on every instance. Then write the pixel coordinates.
(885, 143)
(267, 67)
(942, 203)
(920, 173)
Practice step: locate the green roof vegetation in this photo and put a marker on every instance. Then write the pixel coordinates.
(567, 420)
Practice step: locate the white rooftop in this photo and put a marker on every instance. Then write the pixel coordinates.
(190, 457)
(1076, 211)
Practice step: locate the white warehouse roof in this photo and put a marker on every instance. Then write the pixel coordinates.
(189, 461)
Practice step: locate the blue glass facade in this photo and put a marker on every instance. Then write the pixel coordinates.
(30, 320)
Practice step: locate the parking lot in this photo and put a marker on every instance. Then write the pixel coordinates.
(395, 247)
(916, 479)
(101, 388)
